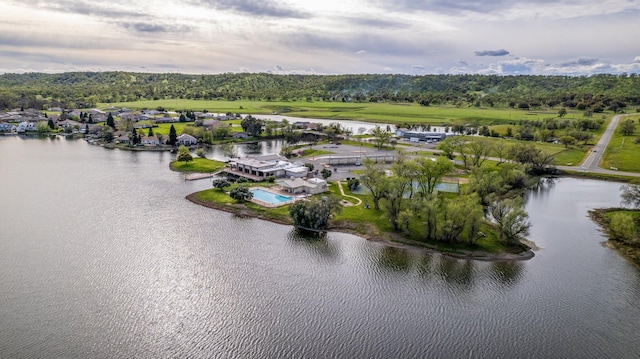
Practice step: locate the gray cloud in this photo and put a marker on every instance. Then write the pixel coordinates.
(28, 56)
(155, 28)
(501, 52)
(379, 23)
(356, 43)
(581, 61)
(82, 7)
(269, 8)
(22, 40)
(452, 7)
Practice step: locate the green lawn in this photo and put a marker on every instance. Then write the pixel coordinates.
(623, 153)
(197, 165)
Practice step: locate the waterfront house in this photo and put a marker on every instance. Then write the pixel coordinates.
(187, 140)
(7, 127)
(299, 185)
(124, 139)
(150, 141)
(260, 167)
(25, 126)
(240, 135)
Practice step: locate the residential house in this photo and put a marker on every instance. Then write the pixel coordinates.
(124, 139)
(241, 135)
(150, 141)
(25, 126)
(186, 140)
(298, 185)
(69, 124)
(209, 124)
(7, 127)
(225, 117)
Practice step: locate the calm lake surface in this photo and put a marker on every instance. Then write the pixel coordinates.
(102, 257)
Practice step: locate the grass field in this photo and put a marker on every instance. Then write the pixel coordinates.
(197, 165)
(370, 112)
(623, 153)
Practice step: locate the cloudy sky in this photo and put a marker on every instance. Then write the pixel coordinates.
(575, 37)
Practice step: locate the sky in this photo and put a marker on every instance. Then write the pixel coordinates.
(506, 37)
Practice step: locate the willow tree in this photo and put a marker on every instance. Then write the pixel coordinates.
(429, 172)
(511, 219)
(375, 179)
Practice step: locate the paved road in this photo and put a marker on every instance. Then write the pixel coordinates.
(592, 162)
(593, 159)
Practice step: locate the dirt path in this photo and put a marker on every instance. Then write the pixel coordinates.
(359, 201)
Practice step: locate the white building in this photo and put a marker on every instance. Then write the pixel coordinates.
(260, 167)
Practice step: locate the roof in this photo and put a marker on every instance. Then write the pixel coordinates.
(293, 183)
(317, 181)
(186, 136)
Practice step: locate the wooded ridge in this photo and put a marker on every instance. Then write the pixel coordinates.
(86, 89)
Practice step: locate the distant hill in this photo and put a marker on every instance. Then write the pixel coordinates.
(85, 89)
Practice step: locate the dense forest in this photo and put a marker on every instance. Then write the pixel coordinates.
(86, 89)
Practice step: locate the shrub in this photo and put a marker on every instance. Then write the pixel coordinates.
(220, 184)
(184, 157)
(241, 194)
(353, 184)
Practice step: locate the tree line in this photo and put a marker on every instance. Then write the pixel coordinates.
(409, 199)
(85, 89)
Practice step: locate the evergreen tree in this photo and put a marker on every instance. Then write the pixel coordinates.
(173, 137)
(150, 134)
(183, 118)
(90, 118)
(110, 121)
(51, 124)
(135, 138)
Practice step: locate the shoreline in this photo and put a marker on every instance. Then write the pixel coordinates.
(628, 252)
(395, 240)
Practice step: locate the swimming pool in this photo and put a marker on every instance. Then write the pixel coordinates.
(270, 197)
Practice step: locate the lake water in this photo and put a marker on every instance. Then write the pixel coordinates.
(102, 257)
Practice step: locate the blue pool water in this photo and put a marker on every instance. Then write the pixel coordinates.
(269, 197)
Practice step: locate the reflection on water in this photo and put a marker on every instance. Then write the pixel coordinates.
(394, 259)
(458, 274)
(102, 256)
(315, 242)
(543, 187)
(506, 273)
(253, 148)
